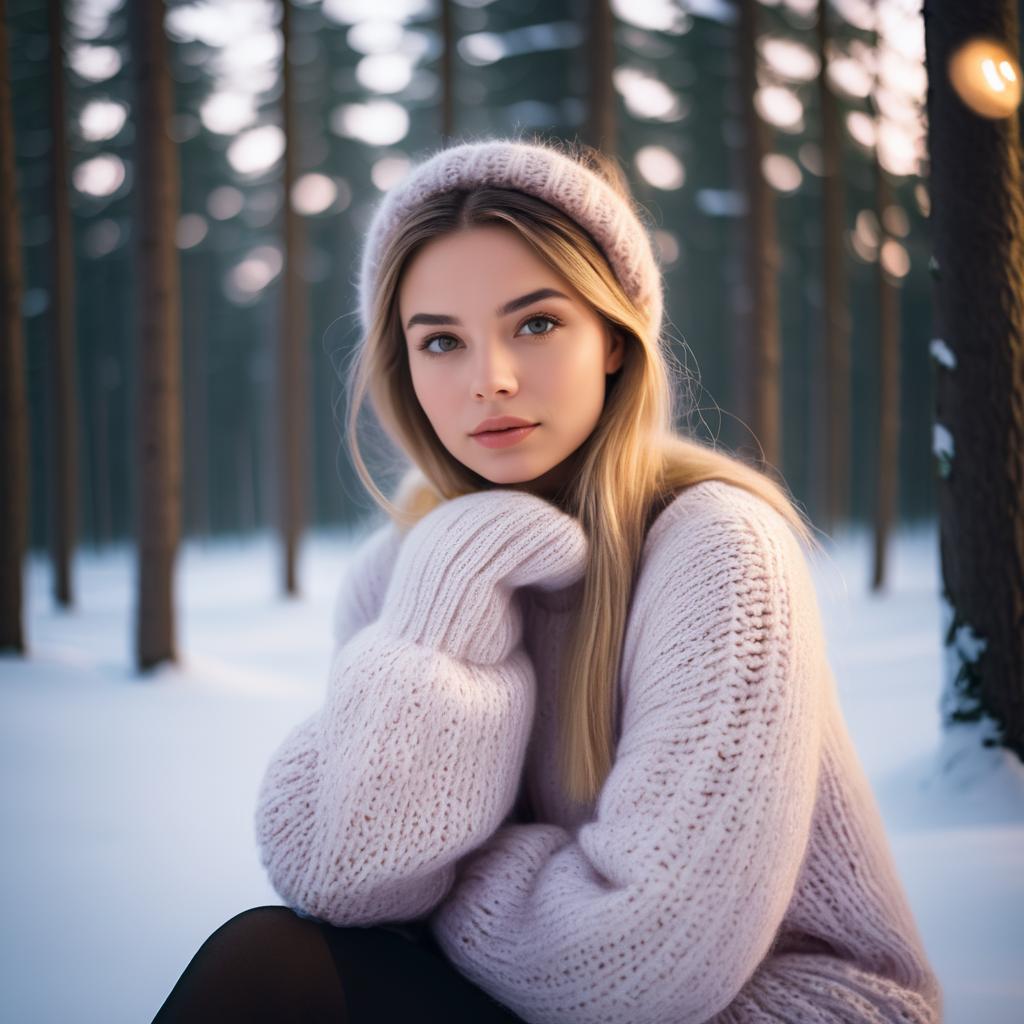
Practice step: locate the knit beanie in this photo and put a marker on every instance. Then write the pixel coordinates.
(539, 170)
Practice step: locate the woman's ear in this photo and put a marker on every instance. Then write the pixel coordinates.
(615, 352)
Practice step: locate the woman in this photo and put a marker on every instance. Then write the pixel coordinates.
(581, 757)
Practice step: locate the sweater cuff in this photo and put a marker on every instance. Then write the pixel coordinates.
(458, 567)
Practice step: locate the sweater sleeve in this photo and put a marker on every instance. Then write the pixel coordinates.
(660, 908)
(413, 759)
(358, 599)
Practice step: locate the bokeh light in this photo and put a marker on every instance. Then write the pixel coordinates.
(94, 63)
(313, 193)
(224, 202)
(781, 172)
(647, 96)
(192, 229)
(377, 122)
(101, 120)
(780, 107)
(101, 176)
(788, 58)
(986, 77)
(660, 167)
(227, 113)
(257, 150)
(384, 72)
(252, 274)
(388, 171)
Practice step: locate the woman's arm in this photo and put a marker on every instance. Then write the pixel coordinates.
(359, 596)
(658, 910)
(415, 756)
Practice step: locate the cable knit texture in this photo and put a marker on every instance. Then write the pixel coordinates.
(538, 170)
(734, 867)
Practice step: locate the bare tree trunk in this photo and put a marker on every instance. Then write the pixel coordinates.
(63, 401)
(834, 475)
(158, 395)
(197, 499)
(14, 439)
(765, 352)
(602, 125)
(293, 371)
(888, 464)
(887, 494)
(978, 232)
(447, 71)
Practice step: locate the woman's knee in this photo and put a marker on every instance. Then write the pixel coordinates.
(267, 962)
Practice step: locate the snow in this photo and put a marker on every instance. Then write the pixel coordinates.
(942, 353)
(128, 800)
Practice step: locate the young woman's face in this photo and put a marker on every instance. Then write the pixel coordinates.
(488, 336)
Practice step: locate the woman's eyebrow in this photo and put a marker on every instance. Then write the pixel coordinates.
(509, 307)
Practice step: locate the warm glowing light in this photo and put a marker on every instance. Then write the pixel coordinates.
(654, 15)
(313, 193)
(374, 36)
(384, 72)
(224, 202)
(896, 221)
(781, 172)
(248, 278)
(810, 157)
(645, 95)
(668, 246)
(986, 77)
(923, 199)
(378, 122)
(789, 58)
(101, 176)
(866, 230)
(227, 113)
(660, 167)
(862, 128)
(257, 150)
(95, 63)
(192, 229)
(780, 106)
(101, 120)
(895, 258)
(388, 171)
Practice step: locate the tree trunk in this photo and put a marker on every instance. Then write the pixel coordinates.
(292, 358)
(887, 494)
(14, 439)
(978, 234)
(158, 353)
(62, 396)
(447, 71)
(888, 458)
(197, 272)
(765, 353)
(601, 129)
(834, 475)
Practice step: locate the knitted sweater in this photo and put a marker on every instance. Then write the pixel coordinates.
(734, 867)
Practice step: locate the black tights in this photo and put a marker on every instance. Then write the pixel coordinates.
(268, 965)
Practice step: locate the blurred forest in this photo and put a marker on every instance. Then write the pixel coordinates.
(369, 97)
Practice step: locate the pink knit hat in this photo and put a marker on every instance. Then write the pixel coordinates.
(540, 171)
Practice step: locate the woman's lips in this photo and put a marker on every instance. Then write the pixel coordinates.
(504, 438)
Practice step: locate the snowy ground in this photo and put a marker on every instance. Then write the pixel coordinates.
(127, 801)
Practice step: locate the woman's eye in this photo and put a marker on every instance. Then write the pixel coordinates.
(430, 341)
(541, 318)
(552, 322)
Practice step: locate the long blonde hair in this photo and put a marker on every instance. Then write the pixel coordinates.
(631, 466)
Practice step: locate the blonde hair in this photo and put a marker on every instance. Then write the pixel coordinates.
(632, 465)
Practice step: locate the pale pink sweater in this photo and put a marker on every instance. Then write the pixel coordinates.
(734, 867)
